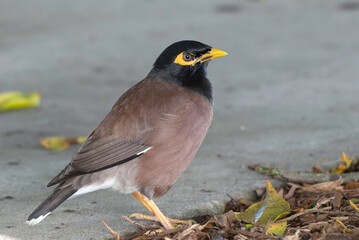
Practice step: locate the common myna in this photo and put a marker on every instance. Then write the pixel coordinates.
(149, 137)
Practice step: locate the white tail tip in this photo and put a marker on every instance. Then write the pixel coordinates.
(35, 221)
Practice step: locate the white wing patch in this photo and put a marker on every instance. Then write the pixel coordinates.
(144, 151)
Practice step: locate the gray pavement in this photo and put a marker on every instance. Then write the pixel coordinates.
(287, 94)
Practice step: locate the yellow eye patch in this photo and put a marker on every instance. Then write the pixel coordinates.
(181, 60)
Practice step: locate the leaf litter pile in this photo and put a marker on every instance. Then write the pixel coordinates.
(311, 205)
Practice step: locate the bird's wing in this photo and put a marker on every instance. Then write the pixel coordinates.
(100, 154)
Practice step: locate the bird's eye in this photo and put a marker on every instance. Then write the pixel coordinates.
(187, 57)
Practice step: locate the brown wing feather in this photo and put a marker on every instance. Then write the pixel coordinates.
(90, 159)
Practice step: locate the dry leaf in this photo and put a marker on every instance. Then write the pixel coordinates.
(342, 167)
(317, 225)
(351, 185)
(17, 100)
(337, 201)
(324, 187)
(60, 143)
(293, 237)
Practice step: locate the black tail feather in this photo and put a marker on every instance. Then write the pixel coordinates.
(59, 195)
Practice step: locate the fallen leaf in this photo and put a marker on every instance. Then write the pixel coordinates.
(17, 100)
(261, 212)
(274, 228)
(307, 218)
(342, 167)
(281, 216)
(249, 226)
(293, 237)
(324, 187)
(60, 143)
(351, 185)
(317, 225)
(337, 201)
(354, 235)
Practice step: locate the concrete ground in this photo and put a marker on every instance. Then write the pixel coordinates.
(287, 94)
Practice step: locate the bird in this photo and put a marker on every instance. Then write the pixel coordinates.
(148, 138)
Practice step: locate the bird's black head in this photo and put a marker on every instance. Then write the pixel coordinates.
(184, 63)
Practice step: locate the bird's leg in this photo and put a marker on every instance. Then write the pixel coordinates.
(141, 216)
(140, 198)
(151, 206)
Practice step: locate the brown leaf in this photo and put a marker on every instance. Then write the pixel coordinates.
(322, 217)
(317, 225)
(296, 236)
(224, 221)
(318, 170)
(353, 235)
(324, 187)
(260, 192)
(351, 193)
(337, 201)
(253, 166)
(351, 185)
(280, 192)
(292, 202)
(307, 218)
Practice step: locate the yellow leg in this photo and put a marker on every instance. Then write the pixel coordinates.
(139, 197)
(151, 206)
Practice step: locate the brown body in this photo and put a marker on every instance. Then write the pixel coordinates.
(172, 120)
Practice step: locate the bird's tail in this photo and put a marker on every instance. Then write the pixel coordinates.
(59, 195)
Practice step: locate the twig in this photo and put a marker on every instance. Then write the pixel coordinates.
(291, 192)
(323, 210)
(337, 213)
(115, 234)
(139, 225)
(300, 214)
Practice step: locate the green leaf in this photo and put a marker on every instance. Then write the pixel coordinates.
(249, 226)
(17, 100)
(269, 209)
(277, 229)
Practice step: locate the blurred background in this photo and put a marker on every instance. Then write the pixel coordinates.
(287, 94)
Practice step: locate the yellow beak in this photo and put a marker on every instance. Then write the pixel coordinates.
(214, 53)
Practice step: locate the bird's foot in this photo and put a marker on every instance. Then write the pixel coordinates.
(140, 216)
